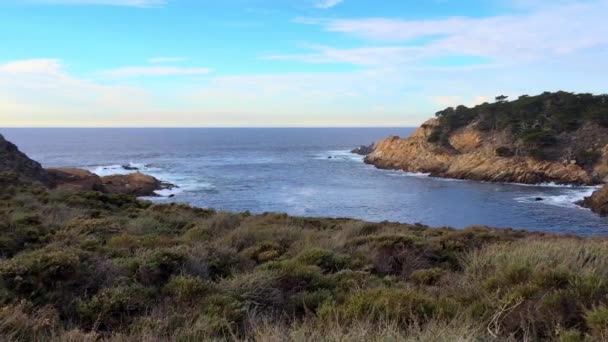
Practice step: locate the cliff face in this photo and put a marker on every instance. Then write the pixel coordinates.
(16, 166)
(471, 153)
(598, 202)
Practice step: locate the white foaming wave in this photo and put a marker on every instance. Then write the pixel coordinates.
(567, 199)
(183, 183)
(339, 155)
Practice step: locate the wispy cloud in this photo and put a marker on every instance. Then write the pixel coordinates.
(542, 33)
(128, 3)
(159, 60)
(142, 71)
(327, 3)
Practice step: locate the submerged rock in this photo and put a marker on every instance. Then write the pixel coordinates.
(129, 168)
(597, 202)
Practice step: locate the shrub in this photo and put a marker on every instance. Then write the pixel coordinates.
(427, 276)
(388, 304)
(45, 275)
(113, 308)
(597, 320)
(504, 151)
(186, 288)
(327, 260)
(158, 266)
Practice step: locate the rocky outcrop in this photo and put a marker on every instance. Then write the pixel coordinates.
(364, 150)
(72, 179)
(597, 202)
(135, 184)
(477, 155)
(17, 167)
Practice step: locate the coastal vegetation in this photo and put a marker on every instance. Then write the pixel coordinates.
(535, 122)
(80, 266)
(556, 137)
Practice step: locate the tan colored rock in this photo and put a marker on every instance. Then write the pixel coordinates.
(597, 202)
(471, 156)
(136, 184)
(72, 179)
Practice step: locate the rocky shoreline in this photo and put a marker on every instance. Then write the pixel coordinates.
(474, 162)
(18, 167)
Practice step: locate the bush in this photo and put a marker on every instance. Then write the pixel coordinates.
(597, 320)
(187, 288)
(388, 304)
(158, 266)
(113, 308)
(427, 277)
(45, 275)
(504, 151)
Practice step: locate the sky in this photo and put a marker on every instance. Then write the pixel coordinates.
(283, 63)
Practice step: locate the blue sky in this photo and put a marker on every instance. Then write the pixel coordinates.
(287, 63)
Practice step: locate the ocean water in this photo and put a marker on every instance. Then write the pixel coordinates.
(289, 170)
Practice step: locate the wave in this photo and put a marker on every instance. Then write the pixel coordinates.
(339, 155)
(566, 200)
(183, 183)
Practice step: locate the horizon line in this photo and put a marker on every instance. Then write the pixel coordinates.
(195, 127)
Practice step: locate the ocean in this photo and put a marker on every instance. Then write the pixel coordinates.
(306, 172)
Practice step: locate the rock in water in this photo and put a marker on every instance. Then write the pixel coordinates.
(17, 167)
(597, 202)
(136, 184)
(363, 150)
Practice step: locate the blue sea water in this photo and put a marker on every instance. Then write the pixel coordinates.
(289, 170)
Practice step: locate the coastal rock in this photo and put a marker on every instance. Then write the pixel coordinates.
(136, 184)
(597, 202)
(471, 154)
(72, 179)
(363, 150)
(17, 167)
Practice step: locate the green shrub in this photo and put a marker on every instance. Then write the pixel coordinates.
(44, 275)
(597, 320)
(388, 304)
(158, 266)
(327, 260)
(113, 308)
(187, 288)
(427, 276)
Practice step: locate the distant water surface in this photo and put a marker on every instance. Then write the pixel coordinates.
(289, 170)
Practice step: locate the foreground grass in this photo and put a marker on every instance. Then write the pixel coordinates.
(78, 267)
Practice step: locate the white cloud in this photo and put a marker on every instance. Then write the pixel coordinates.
(327, 3)
(159, 60)
(545, 32)
(128, 3)
(142, 71)
(41, 92)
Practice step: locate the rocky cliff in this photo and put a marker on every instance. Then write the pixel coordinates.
(488, 143)
(598, 202)
(16, 167)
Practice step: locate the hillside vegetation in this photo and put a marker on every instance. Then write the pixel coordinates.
(92, 266)
(539, 124)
